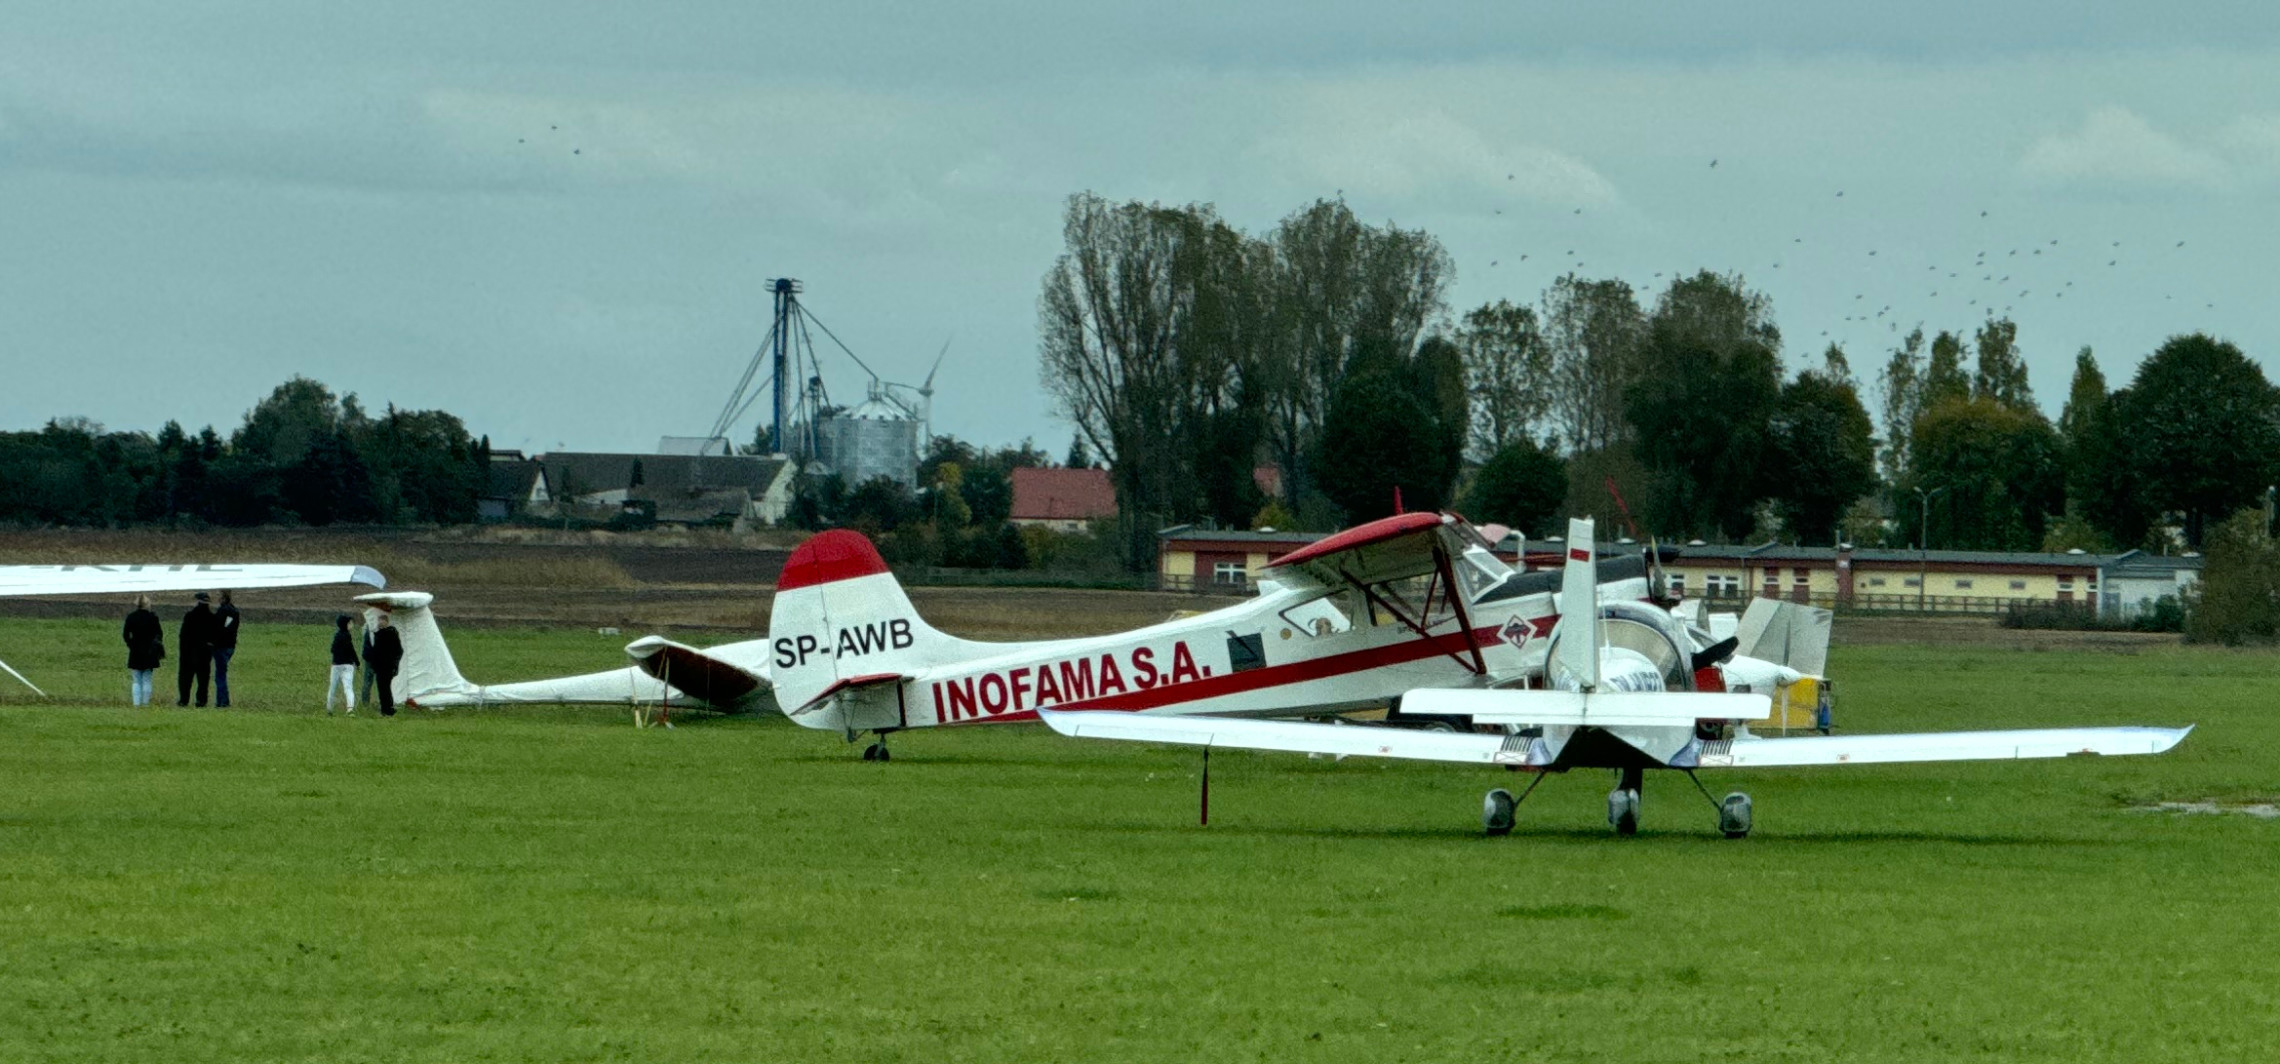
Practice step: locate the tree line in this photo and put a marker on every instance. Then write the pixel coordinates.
(1186, 353)
(302, 456)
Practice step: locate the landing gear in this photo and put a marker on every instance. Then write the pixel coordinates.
(877, 751)
(1623, 802)
(1496, 812)
(1734, 815)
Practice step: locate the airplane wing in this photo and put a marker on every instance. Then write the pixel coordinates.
(22, 580)
(1389, 548)
(1753, 752)
(1290, 736)
(704, 675)
(1366, 741)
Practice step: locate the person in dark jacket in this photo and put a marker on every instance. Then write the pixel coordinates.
(387, 653)
(194, 651)
(225, 647)
(146, 647)
(371, 625)
(343, 677)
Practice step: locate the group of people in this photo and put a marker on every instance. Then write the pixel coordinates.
(208, 639)
(203, 646)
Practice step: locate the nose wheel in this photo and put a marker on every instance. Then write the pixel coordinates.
(1623, 802)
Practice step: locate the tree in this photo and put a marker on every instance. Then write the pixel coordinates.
(1078, 458)
(2082, 437)
(1522, 485)
(2237, 599)
(1703, 404)
(2196, 433)
(1508, 369)
(1944, 376)
(1594, 332)
(1902, 383)
(1997, 471)
(2002, 374)
(1383, 436)
(1824, 452)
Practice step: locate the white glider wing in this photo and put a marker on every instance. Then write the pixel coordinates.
(1290, 736)
(22, 580)
(1752, 752)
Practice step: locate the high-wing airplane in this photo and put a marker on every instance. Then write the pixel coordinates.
(1370, 616)
(27, 580)
(1620, 696)
(731, 677)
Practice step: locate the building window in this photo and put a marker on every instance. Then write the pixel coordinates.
(1678, 585)
(1722, 584)
(1876, 581)
(1963, 585)
(1801, 577)
(1228, 573)
(1911, 582)
(2018, 585)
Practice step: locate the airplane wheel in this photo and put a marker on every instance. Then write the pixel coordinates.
(874, 752)
(1623, 811)
(1496, 812)
(1734, 815)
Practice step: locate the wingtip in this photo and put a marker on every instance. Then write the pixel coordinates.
(368, 576)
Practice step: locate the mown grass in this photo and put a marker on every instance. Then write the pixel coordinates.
(268, 884)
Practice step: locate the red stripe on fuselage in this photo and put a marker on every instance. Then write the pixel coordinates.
(1401, 653)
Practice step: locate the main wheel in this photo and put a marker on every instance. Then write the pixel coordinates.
(874, 752)
(1734, 815)
(1496, 812)
(1623, 811)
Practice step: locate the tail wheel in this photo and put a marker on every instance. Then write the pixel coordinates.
(1496, 812)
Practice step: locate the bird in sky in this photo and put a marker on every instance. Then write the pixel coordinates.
(1713, 164)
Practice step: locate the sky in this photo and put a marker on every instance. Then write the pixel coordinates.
(559, 221)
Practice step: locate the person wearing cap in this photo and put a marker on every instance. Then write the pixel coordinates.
(194, 646)
(146, 647)
(343, 678)
(225, 646)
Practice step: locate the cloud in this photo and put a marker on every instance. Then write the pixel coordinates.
(2116, 147)
(1403, 152)
(2253, 142)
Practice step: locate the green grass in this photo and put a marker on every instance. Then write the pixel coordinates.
(548, 884)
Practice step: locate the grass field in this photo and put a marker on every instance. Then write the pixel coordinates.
(265, 883)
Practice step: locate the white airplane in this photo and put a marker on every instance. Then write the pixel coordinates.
(29, 580)
(730, 678)
(1619, 698)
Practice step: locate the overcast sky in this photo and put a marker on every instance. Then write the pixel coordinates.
(558, 220)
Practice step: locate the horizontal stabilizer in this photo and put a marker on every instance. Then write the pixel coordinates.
(1751, 752)
(1342, 740)
(1612, 709)
(694, 672)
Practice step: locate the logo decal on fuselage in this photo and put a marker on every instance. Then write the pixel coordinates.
(1517, 632)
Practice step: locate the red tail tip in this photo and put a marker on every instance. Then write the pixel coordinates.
(828, 556)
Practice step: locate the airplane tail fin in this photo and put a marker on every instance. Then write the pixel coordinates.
(841, 619)
(427, 670)
(1787, 633)
(1575, 654)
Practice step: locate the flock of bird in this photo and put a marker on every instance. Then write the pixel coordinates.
(1996, 280)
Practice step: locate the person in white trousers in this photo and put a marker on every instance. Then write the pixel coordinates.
(343, 678)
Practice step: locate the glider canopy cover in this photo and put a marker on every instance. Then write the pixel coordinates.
(21, 580)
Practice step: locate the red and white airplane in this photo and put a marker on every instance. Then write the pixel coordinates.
(1621, 697)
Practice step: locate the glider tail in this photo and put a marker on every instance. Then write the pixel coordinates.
(428, 675)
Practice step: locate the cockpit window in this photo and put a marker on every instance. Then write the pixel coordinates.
(1328, 615)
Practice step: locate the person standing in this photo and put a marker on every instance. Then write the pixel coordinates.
(194, 647)
(343, 678)
(371, 625)
(387, 653)
(225, 647)
(146, 647)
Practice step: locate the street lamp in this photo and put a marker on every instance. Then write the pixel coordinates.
(1924, 548)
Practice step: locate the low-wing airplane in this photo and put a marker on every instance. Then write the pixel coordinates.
(1373, 615)
(1620, 697)
(28, 580)
(731, 677)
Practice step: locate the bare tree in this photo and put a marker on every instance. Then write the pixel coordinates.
(1594, 331)
(1508, 371)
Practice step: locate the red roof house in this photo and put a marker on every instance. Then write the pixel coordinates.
(1065, 500)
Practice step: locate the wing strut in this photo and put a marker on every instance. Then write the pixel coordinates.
(1203, 811)
(20, 679)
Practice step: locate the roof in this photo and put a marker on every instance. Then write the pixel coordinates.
(1782, 552)
(585, 473)
(1062, 494)
(511, 478)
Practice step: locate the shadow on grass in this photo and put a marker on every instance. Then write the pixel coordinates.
(1599, 836)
